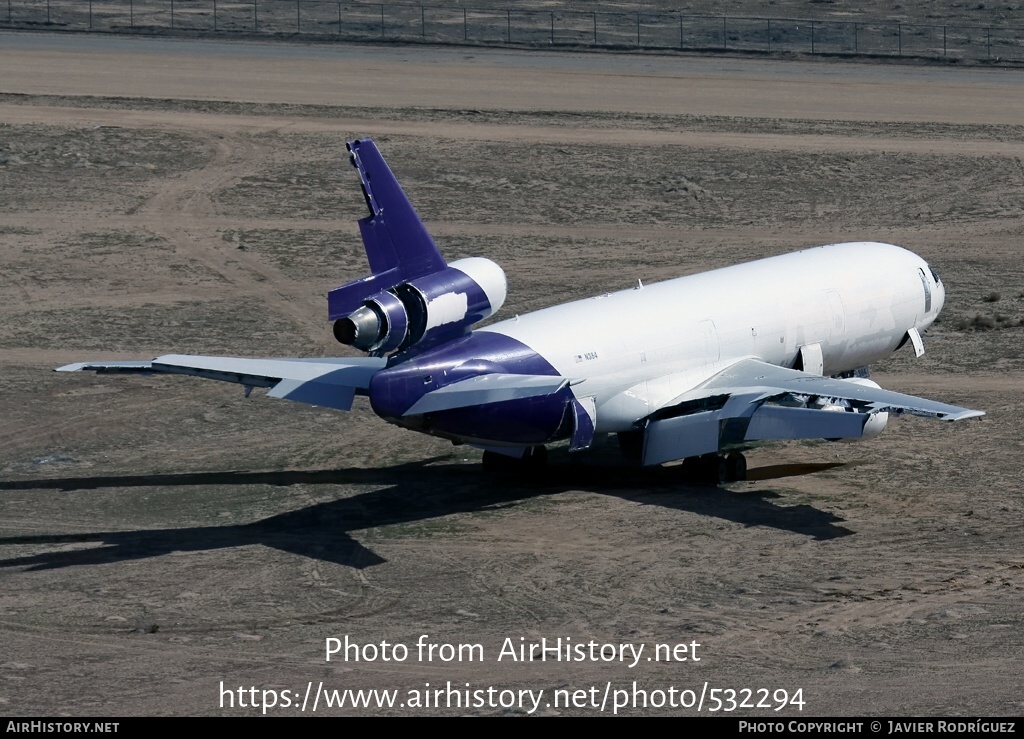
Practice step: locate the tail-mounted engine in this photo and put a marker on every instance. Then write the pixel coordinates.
(426, 310)
(412, 296)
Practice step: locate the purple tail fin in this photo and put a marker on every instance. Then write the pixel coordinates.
(397, 244)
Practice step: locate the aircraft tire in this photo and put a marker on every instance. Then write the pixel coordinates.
(631, 444)
(736, 467)
(691, 469)
(535, 459)
(713, 469)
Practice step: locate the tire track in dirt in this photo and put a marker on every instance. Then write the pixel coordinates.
(74, 429)
(591, 230)
(19, 286)
(222, 123)
(176, 212)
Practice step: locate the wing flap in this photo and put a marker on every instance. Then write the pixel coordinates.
(747, 374)
(684, 436)
(755, 401)
(584, 412)
(778, 422)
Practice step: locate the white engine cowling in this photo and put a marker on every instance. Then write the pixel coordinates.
(877, 422)
(435, 307)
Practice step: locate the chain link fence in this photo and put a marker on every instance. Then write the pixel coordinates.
(534, 28)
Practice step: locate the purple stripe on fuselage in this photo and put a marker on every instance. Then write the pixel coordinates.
(534, 420)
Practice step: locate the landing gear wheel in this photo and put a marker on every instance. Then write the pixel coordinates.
(497, 463)
(691, 469)
(735, 467)
(713, 469)
(534, 460)
(631, 444)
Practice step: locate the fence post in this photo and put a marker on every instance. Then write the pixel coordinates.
(988, 34)
(214, 15)
(899, 36)
(856, 28)
(382, 20)
(465, 25)
(255, 17)
(339, 19)
(508, 24)
(725, 35)
(595, 27)
(423, 20)
(90, 13)
(48, 12)
(131, 13)
(638, 29)
(943, 41)
(680, 32)
(769, 35)
(812, 37)
(552, 27)
(298, 16)
(172, 14)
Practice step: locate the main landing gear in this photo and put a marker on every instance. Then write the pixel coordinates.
(535, 460)
(715, 469)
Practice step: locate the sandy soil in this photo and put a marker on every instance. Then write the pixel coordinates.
(161, 538)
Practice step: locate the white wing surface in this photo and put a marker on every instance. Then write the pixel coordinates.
(750, 374)
(752, 401)
(326, 381)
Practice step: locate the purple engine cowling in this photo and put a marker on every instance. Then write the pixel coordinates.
(425, 310)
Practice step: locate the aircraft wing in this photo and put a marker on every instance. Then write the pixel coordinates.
(753, 401)
(327, 381)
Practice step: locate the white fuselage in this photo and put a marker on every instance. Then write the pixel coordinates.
(635, 350)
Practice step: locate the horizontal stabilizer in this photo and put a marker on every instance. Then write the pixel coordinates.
(483, 389)
(330, 382)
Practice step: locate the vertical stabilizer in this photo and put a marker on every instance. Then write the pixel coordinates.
(397, 244)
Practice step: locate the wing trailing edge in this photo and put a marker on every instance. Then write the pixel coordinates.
(752, 401)
(776, 381)
(329, 382)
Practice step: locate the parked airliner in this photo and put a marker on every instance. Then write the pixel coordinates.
(697, 369)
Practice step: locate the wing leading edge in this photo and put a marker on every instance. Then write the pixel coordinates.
(326, 381)
(753, 401)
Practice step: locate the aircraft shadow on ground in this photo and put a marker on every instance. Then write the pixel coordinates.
(411, 492)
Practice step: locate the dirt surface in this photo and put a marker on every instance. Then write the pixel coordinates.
(163, 539)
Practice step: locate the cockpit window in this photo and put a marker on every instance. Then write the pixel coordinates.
(935, 275)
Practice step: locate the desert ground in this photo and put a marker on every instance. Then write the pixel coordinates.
(163, 540)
